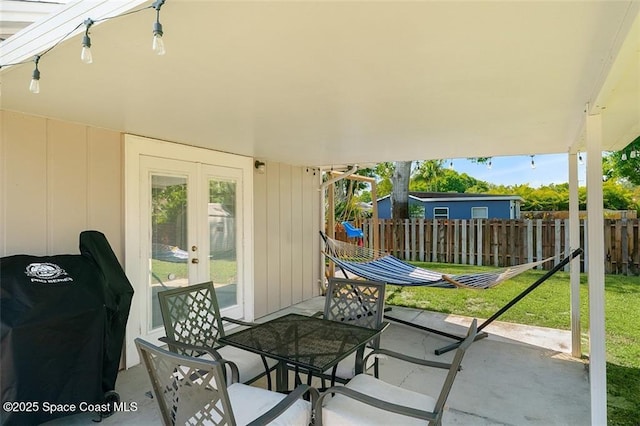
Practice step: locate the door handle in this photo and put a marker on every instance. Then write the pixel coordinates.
(195, 260)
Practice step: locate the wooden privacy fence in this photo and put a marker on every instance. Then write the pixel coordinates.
(502, 242)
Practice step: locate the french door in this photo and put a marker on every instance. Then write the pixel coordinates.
(191, 228)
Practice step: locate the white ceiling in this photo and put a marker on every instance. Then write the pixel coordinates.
(328, 82)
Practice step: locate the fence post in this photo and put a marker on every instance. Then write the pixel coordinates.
(463, 256)
(434, 241)
(565, 247)
(407, 239)
(529, 240)
(472, 242)
(556, 242)
(456, 238)
(496, 261)
(479, 242)
(538, 241)
(624, 243)
(608, 265)
(421, 239)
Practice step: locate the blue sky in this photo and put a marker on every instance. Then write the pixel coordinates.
(517, 170)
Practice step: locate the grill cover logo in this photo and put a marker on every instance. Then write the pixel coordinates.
(49, 273)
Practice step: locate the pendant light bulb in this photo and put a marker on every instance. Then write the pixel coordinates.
(451, 165)
(533, 163)
(86, 56)
(624, 156)
(158, 44)
(632, 154)
(34, 86)
(580, 160)
(489, 165)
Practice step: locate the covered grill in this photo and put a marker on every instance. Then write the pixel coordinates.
(63, 321)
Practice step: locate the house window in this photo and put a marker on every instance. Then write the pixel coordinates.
(479, 212)
(441, 212)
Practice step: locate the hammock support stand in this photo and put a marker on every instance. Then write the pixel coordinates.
(495, 316)
(481, 334)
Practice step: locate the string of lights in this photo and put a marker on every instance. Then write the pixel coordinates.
(634, 152)
(85, 55)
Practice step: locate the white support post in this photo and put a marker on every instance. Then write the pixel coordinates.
(574, 243)
(595, 234)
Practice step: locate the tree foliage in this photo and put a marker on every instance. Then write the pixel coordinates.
(621, 189)
(624, 164)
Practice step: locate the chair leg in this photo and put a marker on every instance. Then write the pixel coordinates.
(333, 375)
(267, 371)
(298, 380)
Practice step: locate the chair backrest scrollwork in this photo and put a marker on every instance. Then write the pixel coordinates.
(191, 315)
(188, 390)
(355, 301)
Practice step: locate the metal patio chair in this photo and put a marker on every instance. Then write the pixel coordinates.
(367, 400)
(194, 391)
(359, 303)
(193, 324)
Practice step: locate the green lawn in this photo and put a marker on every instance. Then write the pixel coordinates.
(549, 306)
(222, 271)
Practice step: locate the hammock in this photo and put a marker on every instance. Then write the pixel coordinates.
(376, 265)
(379, 266)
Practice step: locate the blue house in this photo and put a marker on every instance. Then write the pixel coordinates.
(452, 205)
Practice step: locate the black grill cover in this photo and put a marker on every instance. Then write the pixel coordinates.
(63, 322)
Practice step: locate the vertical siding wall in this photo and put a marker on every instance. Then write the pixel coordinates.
(286, 238)
(56, 180)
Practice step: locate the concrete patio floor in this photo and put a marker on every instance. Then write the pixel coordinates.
(519, 375)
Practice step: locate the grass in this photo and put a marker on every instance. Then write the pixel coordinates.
(221, 271)
(549, 306)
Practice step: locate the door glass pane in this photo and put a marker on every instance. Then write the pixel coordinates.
(223, 265)
(169, 252)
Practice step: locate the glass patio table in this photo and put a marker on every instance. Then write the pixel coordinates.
(311, 343)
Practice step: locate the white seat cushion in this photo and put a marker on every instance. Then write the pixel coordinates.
(250, 402)
(347, 367)
(247, 403)
(249, 364)
(342, 410)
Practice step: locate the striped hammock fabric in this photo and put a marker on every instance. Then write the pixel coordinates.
(375, 265)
